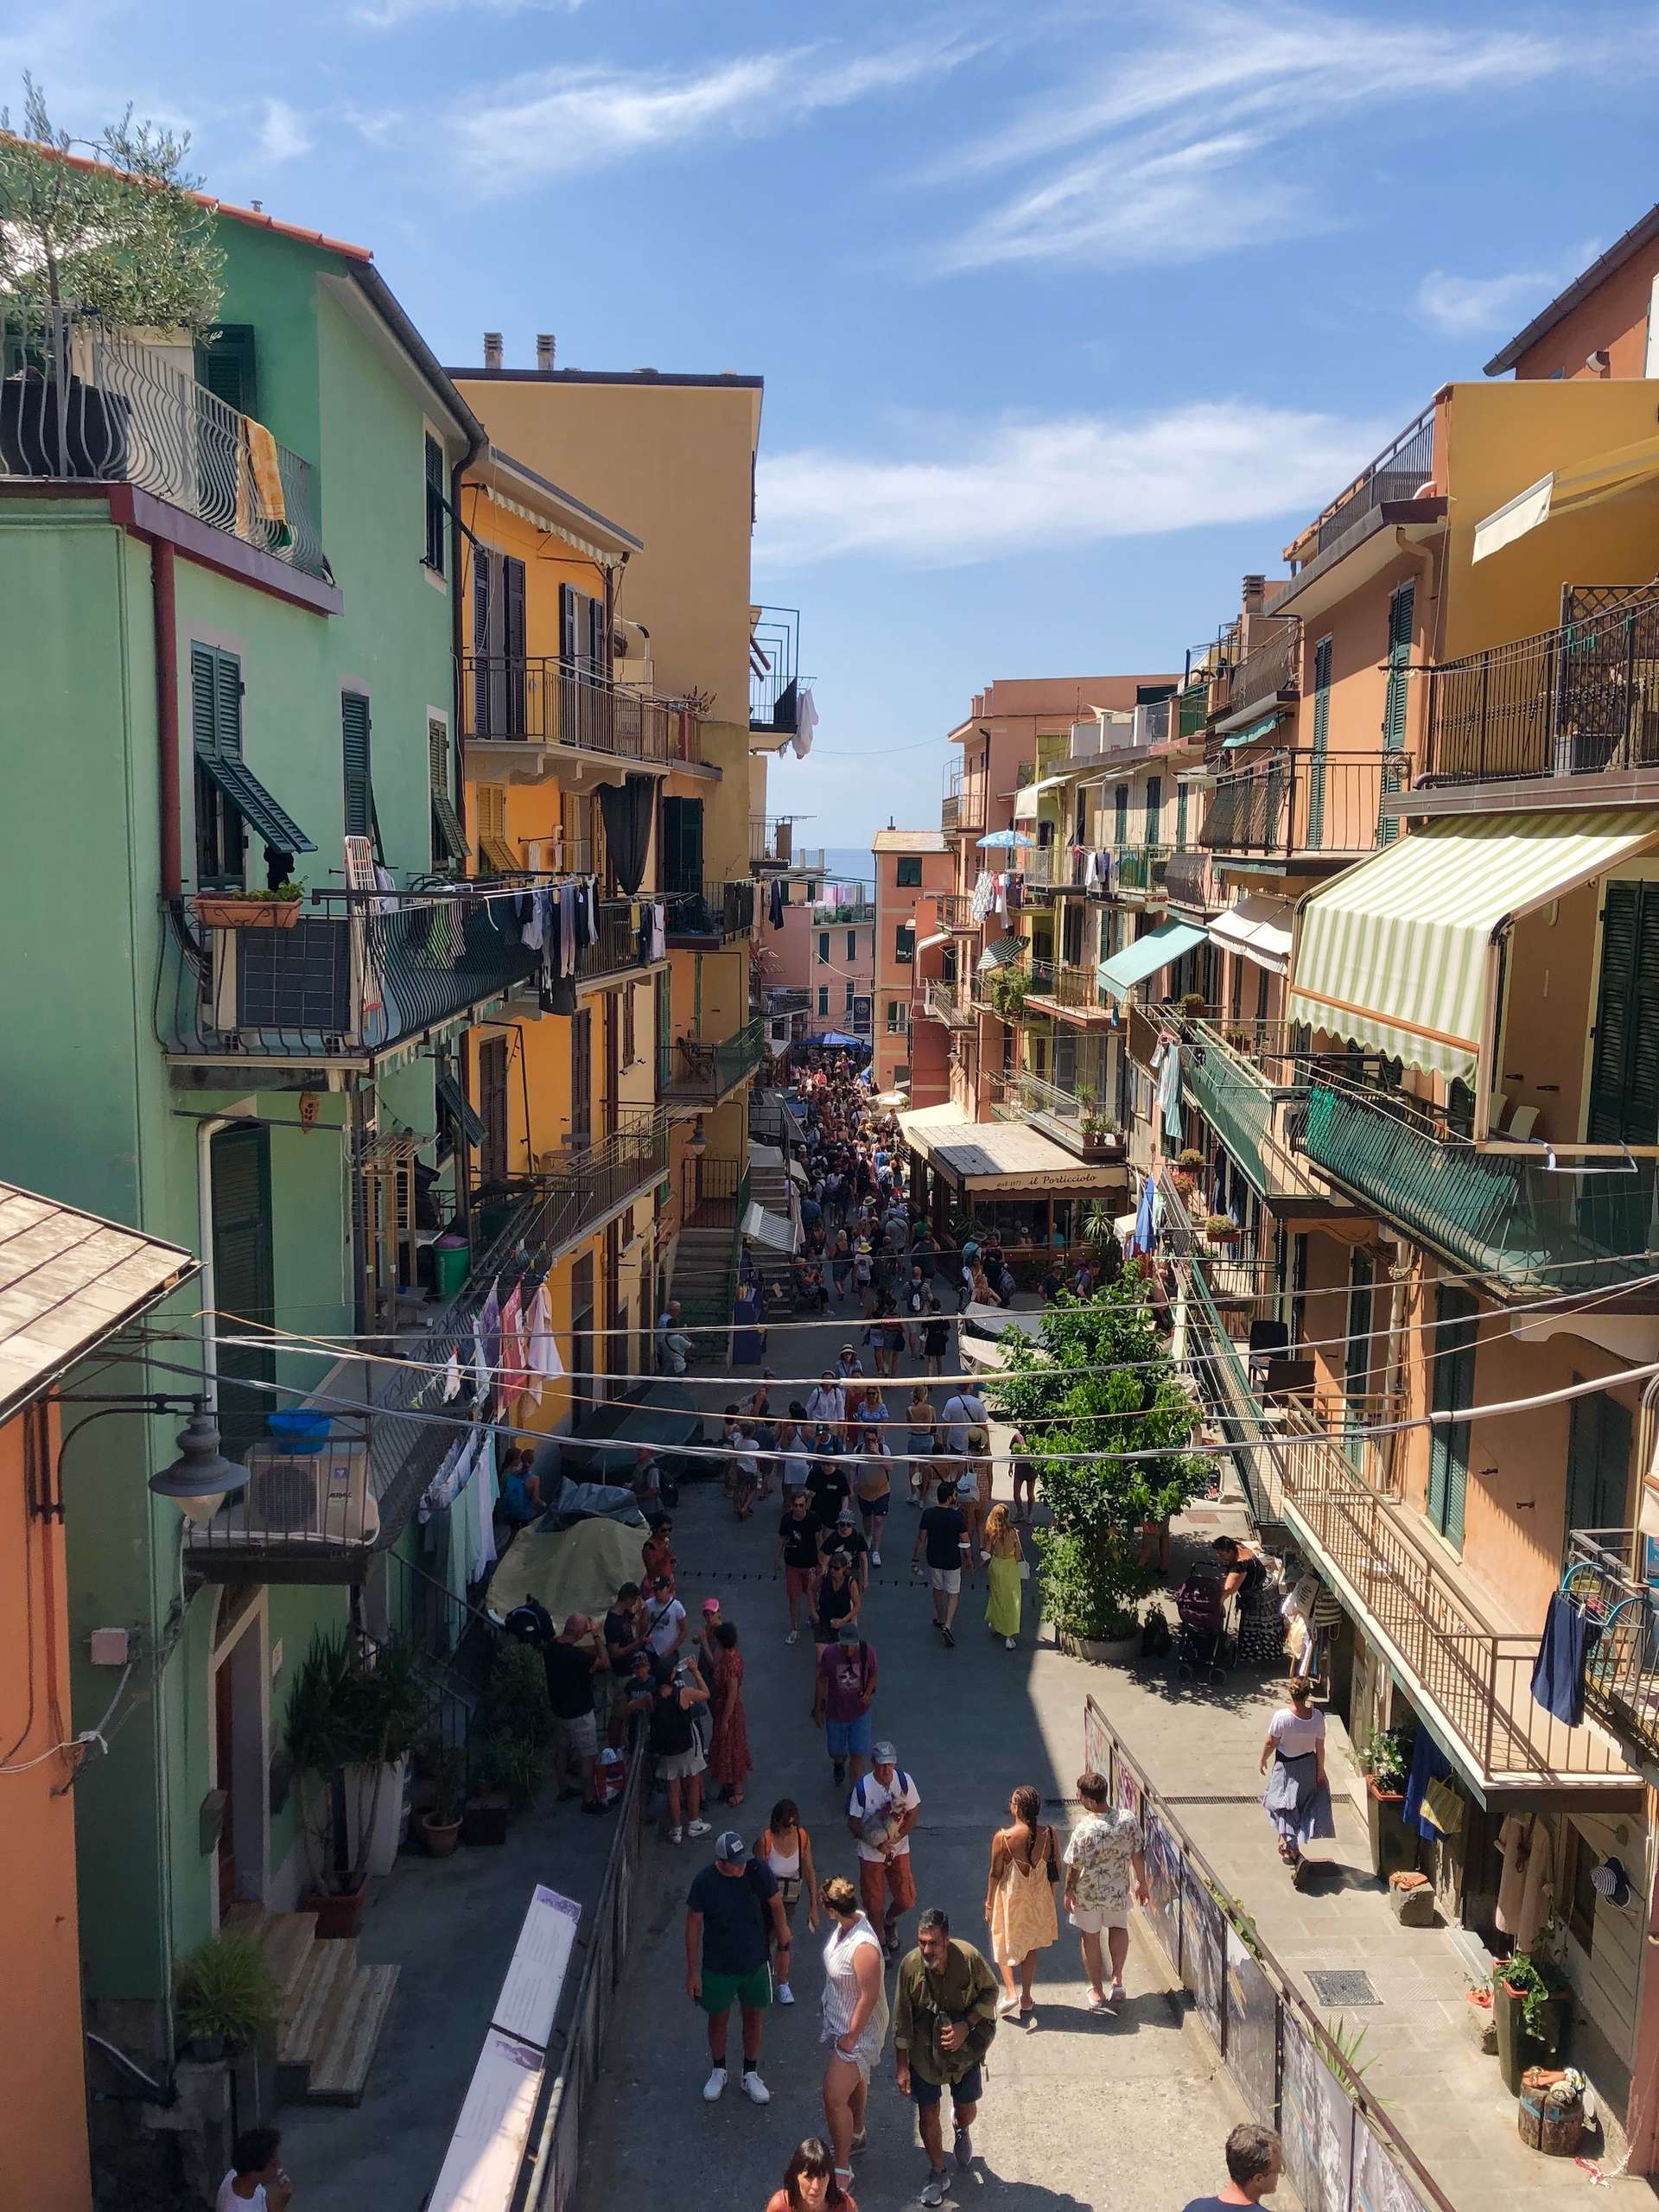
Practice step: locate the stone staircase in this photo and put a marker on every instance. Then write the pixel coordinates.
(334, 2008)
(703, 1276)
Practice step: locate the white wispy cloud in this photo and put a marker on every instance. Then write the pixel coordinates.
(1183, 147)
(392, 14)
(282, 135)
(1018, 486)
(561, 121)
(1467, 306)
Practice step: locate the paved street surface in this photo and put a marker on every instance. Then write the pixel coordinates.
(1079, 2111)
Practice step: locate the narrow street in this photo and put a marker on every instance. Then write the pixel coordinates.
(1079, 2111)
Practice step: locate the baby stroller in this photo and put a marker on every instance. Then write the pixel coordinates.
(1202, 1643)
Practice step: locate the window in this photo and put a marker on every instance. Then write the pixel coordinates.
(850, 988)
(436, 507)
(898, 1017)
(492, 1108)
(823, 1001)
(493, 850)
(224, 364)
(852, 944)
(682, 846)
(909, 875)
(448, 839)
(500, 696)
(823, 948)
(216, 731)
(904, 941)
(1155, 807)
(1120, 815)
(356, 773)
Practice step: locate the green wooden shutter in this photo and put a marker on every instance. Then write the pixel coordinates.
(1624, 1064)
(1120, 815)
(1454, 1390)
(243, 1285)
(513, 644)
(436, 506)
(224, 364)
(449, 838)
(1402, 604)
(204, 698)
(683, 845)
(1598, 1463)
(1180, 817)
(354, 754)
(1321, 745)
(228, 711)
(1357, 1361)
(1155, 807)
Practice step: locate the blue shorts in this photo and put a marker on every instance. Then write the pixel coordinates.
(846, 1736)
(967, 2091)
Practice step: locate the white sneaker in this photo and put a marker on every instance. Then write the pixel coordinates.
(785, 1995)
(676, 1835)
(713, 2085)
(696, 1827)
(933, 2187)
(754, 2088)
(876, 1559)
(794, 1636)
(1008, 1643)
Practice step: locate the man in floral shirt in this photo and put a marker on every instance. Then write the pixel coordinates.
(1103, 1858)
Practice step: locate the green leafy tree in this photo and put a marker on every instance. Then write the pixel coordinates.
(1100, 1380)
(125, 239)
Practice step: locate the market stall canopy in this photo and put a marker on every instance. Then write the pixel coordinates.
(1025, 798)
(1259, 928)
(998, 1158)
(1396, 955)
(1568, 491)
(1146, 956)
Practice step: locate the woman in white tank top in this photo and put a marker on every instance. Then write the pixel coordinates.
(854, 2020)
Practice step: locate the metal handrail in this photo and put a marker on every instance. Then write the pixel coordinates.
(547, 699)
(695, 1067)
(714, 909)
(83, 403)
(1305, 802)
(1271, 670)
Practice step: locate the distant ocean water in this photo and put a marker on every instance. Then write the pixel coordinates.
(844, 862)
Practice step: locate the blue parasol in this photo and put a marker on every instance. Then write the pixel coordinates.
(1005, 841)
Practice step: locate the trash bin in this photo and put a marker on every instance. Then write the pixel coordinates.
(449, 1265)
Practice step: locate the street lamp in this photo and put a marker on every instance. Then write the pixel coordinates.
(200, 1479)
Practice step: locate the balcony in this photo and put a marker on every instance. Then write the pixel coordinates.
(356, 976)
(1068, 987)
(91, 405)
(961, 808)
(615, 950)
(954, 910)
(1268, 676)
(774, 671)
(712, 915)
(1529, 1222)
(1386, 490)
(700, 1071)
(580, 1187)
(950, 999)
(1621, 1678)
(1470, 1678)
(519, 700)
(1555, 709)
(1249, 1081)
(1072, 1118)
(1306, 807)
(1139, 872)
(1190, 880)
(788, 998)
(772, 843)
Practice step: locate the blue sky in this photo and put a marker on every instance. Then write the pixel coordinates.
(1068, 314)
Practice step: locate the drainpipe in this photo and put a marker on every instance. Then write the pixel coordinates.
(476, 442)
(164, 609)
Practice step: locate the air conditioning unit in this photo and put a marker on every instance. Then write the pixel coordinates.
(632, 663)
(319, 1497)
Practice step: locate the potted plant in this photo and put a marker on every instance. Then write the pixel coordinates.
(506, 1763)
(1385, 1761)
(1530, 2003)
(120, 241)
(438, 1822)
(353, 1712)
(250, 910)
(227, 1996)
(1221, 1228)
(1191, 1005)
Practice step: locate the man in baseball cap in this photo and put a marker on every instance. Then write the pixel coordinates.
(733, 1915)
(881, 1814)
(849, 1538)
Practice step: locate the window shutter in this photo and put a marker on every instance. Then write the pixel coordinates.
(1320, 746)
(1120, 815)
(204, 698)
(498, 855)
(1180, 817)
(599, 650)
(224, 364)
(1453, 1389)
(436, 505)
(511, 625)
(241, 1231)
(1625, 1066)
(567, 597)
(1401, 610)
(1155, 807)
(448, 839)
(228, 690)
(354, 753)
(823, 948)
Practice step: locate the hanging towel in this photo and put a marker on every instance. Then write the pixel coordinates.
(660, 929)
(777, 904)
(1428, 1763)
(1169, 1094)
(484, 1494)
(514, 1379)
(489, 1329)
(1144, 1231)
(451, 1380)
(1558, 1671)
(541, 1351)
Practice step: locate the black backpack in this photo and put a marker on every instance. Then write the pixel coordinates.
(1155, 1638)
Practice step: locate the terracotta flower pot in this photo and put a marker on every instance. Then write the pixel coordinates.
(340, 1914)
(438, 1838)
(247, 913)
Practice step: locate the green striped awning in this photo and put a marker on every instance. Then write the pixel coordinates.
(1395, 954)
(1146, 956)
(1250, 732)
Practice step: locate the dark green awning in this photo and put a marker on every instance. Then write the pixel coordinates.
(232, 776)
(461, 1109)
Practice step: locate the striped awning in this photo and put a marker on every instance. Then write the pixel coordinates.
(1395, 956)
(1258, 928)
(1569, 491)
(1146, 956)
(1250, 732)
(999, 952)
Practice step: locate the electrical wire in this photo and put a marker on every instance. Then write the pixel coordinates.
(87, 1737)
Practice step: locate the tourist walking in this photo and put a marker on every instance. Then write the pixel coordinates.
(799, 1534)
(1102, 1855)
(1005, 1561)
(1022, 1472)
(920, 1417)
(838, 1599)
(1019, 1897)
(734, 1916)
(944, 2020)
(1298, 1796)
(941, 1534)
(810, 2183)
(846, 1537)
(672, 1737)
(571, 1661)
(855, 2019)
(873, 1481)
(1256, 2162)
(936, 1337)
(842, 1696)
(881, 1814)
(785, 1846)
(729, 1762)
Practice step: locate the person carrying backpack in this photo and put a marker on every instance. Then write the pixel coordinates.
(842, 1699)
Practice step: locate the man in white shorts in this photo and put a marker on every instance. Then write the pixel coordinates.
(1103, 1858)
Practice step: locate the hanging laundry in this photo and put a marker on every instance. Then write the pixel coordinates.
(1428, 1763)
(485, 1492)
(1524, 1890)
(777, 904)
(451, 1380)
(1169, 1094)
(660, 929)
(481, 1385)
(541, 1348)
(1558, 1671)
(489, 1328)
(443, 1485)
(514, 1379)
(980, 905)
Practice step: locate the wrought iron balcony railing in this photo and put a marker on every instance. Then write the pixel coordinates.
(1621, 1673)
(956, 911)
(950, 999)
(547, 700)
(1530, 1223)
(772, 841)
(1070, 984)
(963, 807)
(1398, 472)
(1298, 1473)
(717, 911)
(81, 402)
(1582, 699)
(701, 1070)
(1271, 671)
(1305, 803)
(581, 1185)
(1140, 870)
(355, 974)
(774, 671)
(1072, 1116)
(618, 947)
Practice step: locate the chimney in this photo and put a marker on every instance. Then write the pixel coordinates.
(1254, 588)
(544, 349)
(491, 349)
